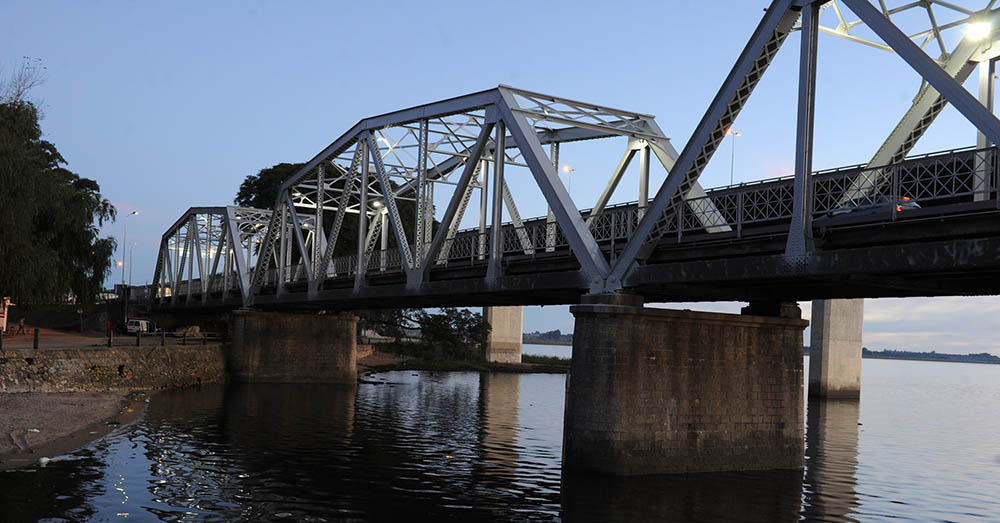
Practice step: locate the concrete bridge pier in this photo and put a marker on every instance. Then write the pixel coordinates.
(279, 347)
(835, 349)
(506, 326)
(657, 391)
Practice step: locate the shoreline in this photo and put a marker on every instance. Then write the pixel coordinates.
(68, 421)
(381, 361)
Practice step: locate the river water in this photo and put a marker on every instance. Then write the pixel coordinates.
(922, 444)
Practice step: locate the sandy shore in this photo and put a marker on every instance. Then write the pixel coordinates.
(45, 424)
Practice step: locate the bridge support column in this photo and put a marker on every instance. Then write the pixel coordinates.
(835, 349)
(657, 391)
(278, 347)
(506, 326)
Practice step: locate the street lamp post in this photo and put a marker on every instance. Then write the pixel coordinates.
(125, 242)
(569, 179)
(130, 249)
(732, 156)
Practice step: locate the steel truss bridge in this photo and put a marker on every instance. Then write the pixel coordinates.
(767, 240)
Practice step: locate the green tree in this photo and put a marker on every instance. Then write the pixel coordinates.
(49, 216)
(261, 190)
(453, 333)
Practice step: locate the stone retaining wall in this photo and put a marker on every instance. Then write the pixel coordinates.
(119, 368)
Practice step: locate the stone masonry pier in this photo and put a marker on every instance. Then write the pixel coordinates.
(280, 347)
(654, 391)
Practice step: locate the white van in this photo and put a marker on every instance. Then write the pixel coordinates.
(134, 326)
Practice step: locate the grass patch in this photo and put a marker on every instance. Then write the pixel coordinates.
(555, 361)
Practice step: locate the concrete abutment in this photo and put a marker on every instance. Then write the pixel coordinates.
(657, 391)
(277, 347)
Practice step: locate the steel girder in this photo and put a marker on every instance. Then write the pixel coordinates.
(203, 238)
(415, 150)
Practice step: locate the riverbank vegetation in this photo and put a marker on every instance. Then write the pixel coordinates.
(49, 216)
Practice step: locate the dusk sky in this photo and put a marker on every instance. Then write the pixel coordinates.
(172, 105)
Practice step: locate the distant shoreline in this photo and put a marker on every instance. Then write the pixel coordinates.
(917, 358)
(944, 357)
(564, 343)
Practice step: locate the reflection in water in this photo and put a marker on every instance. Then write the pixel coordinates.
(832, 460)
(717, 496)
(447, 446)
(63, 489)
(498, 431)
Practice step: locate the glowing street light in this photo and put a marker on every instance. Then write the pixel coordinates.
(125, 242)
(978, 30)
(569, 178)
(732, 156)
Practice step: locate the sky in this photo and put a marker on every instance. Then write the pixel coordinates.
(172, 105)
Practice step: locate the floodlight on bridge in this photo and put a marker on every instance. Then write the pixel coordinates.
(978, 30)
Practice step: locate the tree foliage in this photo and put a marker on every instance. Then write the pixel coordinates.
(457, 334)
(49, 216)
(261, 190)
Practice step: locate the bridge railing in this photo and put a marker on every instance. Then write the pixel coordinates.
(931, 180)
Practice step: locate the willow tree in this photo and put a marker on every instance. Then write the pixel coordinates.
(50, 245)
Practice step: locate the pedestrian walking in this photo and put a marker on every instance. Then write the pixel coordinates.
(20, 326)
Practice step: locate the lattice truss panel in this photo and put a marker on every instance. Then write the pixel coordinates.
(376, 200)
(209, 253)
(939, 29)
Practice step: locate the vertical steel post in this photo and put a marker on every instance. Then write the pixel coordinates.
(192, 254)
(739, 213)
(799, 241)
(981, 181)
(895, 191)
(643, 181)
(226, 263)
(484, 185)
(421, 203)
(384, 245)
(319, 235)
(283, 246)
(680, 220)
(550, 217)
(208, 256)
(359, 274)
(34, 343)
(496, 229)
